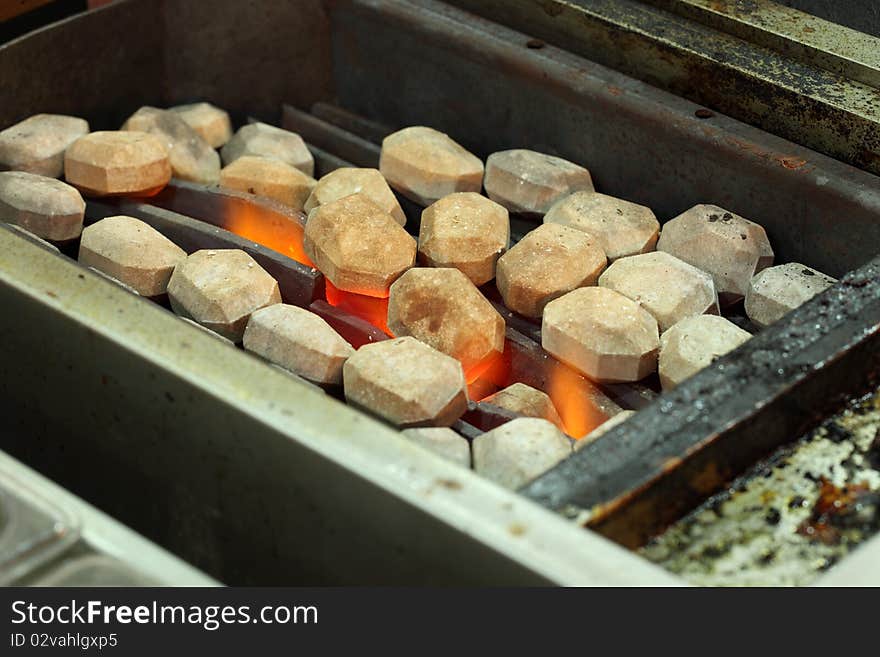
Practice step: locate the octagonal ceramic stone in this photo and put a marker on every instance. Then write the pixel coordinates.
(345, 181)
(695, 343)
(132, 252)
(220, 288)
(528, 182)
(730, 248)
(518, 451)
(526, 401)
(545, 264)
(622, 228)
(425, 165)
(37, 144)
(270, 178)
(442, 308)
(668, 288)
(191, 157)
(776, 291)
(46, 207)
(111, 163)
(299, 341)
(466, 231)
(407, 382)
(264, 140)
(602, 334)
(357, 245)
(444, 442)
(210, 122)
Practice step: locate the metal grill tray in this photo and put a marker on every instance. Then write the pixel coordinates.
(257, 479)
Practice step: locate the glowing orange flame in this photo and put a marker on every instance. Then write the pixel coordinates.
(570, 393)
(270, 229)
(487, 376)
(372, 309)
(285, 235)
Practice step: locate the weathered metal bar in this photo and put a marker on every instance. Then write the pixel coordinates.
(528, 327)
(220, 207)
(357, 331)
(648, 471)
(343, 144)
(632, 396)
(812, 40)
(326, 162)
(263, 220)
(806, 104)
(372, 131)
(299, 284)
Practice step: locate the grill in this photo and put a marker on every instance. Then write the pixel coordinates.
(255, 478)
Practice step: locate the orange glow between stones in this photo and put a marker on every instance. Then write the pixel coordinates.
(372, 309)
(273, 231)
(568, 391)
(487, 376)
(285, 236)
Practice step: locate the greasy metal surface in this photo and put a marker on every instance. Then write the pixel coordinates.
(861, 568)
(481, 84)
(807, 104)
(34, 529)
(243, 471)
(863, 15)
(791, 517)
(847, 52)
(664, 461)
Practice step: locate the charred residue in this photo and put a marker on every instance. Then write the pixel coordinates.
(792, 516)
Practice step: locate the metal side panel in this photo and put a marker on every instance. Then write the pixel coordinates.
(105, 535)
(237, 468)
(421, 62)
(861, 15)
(101, 65)
(246, 57)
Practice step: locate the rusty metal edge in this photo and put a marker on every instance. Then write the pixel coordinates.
(796, 34)
(806, 104)
(647, 472)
